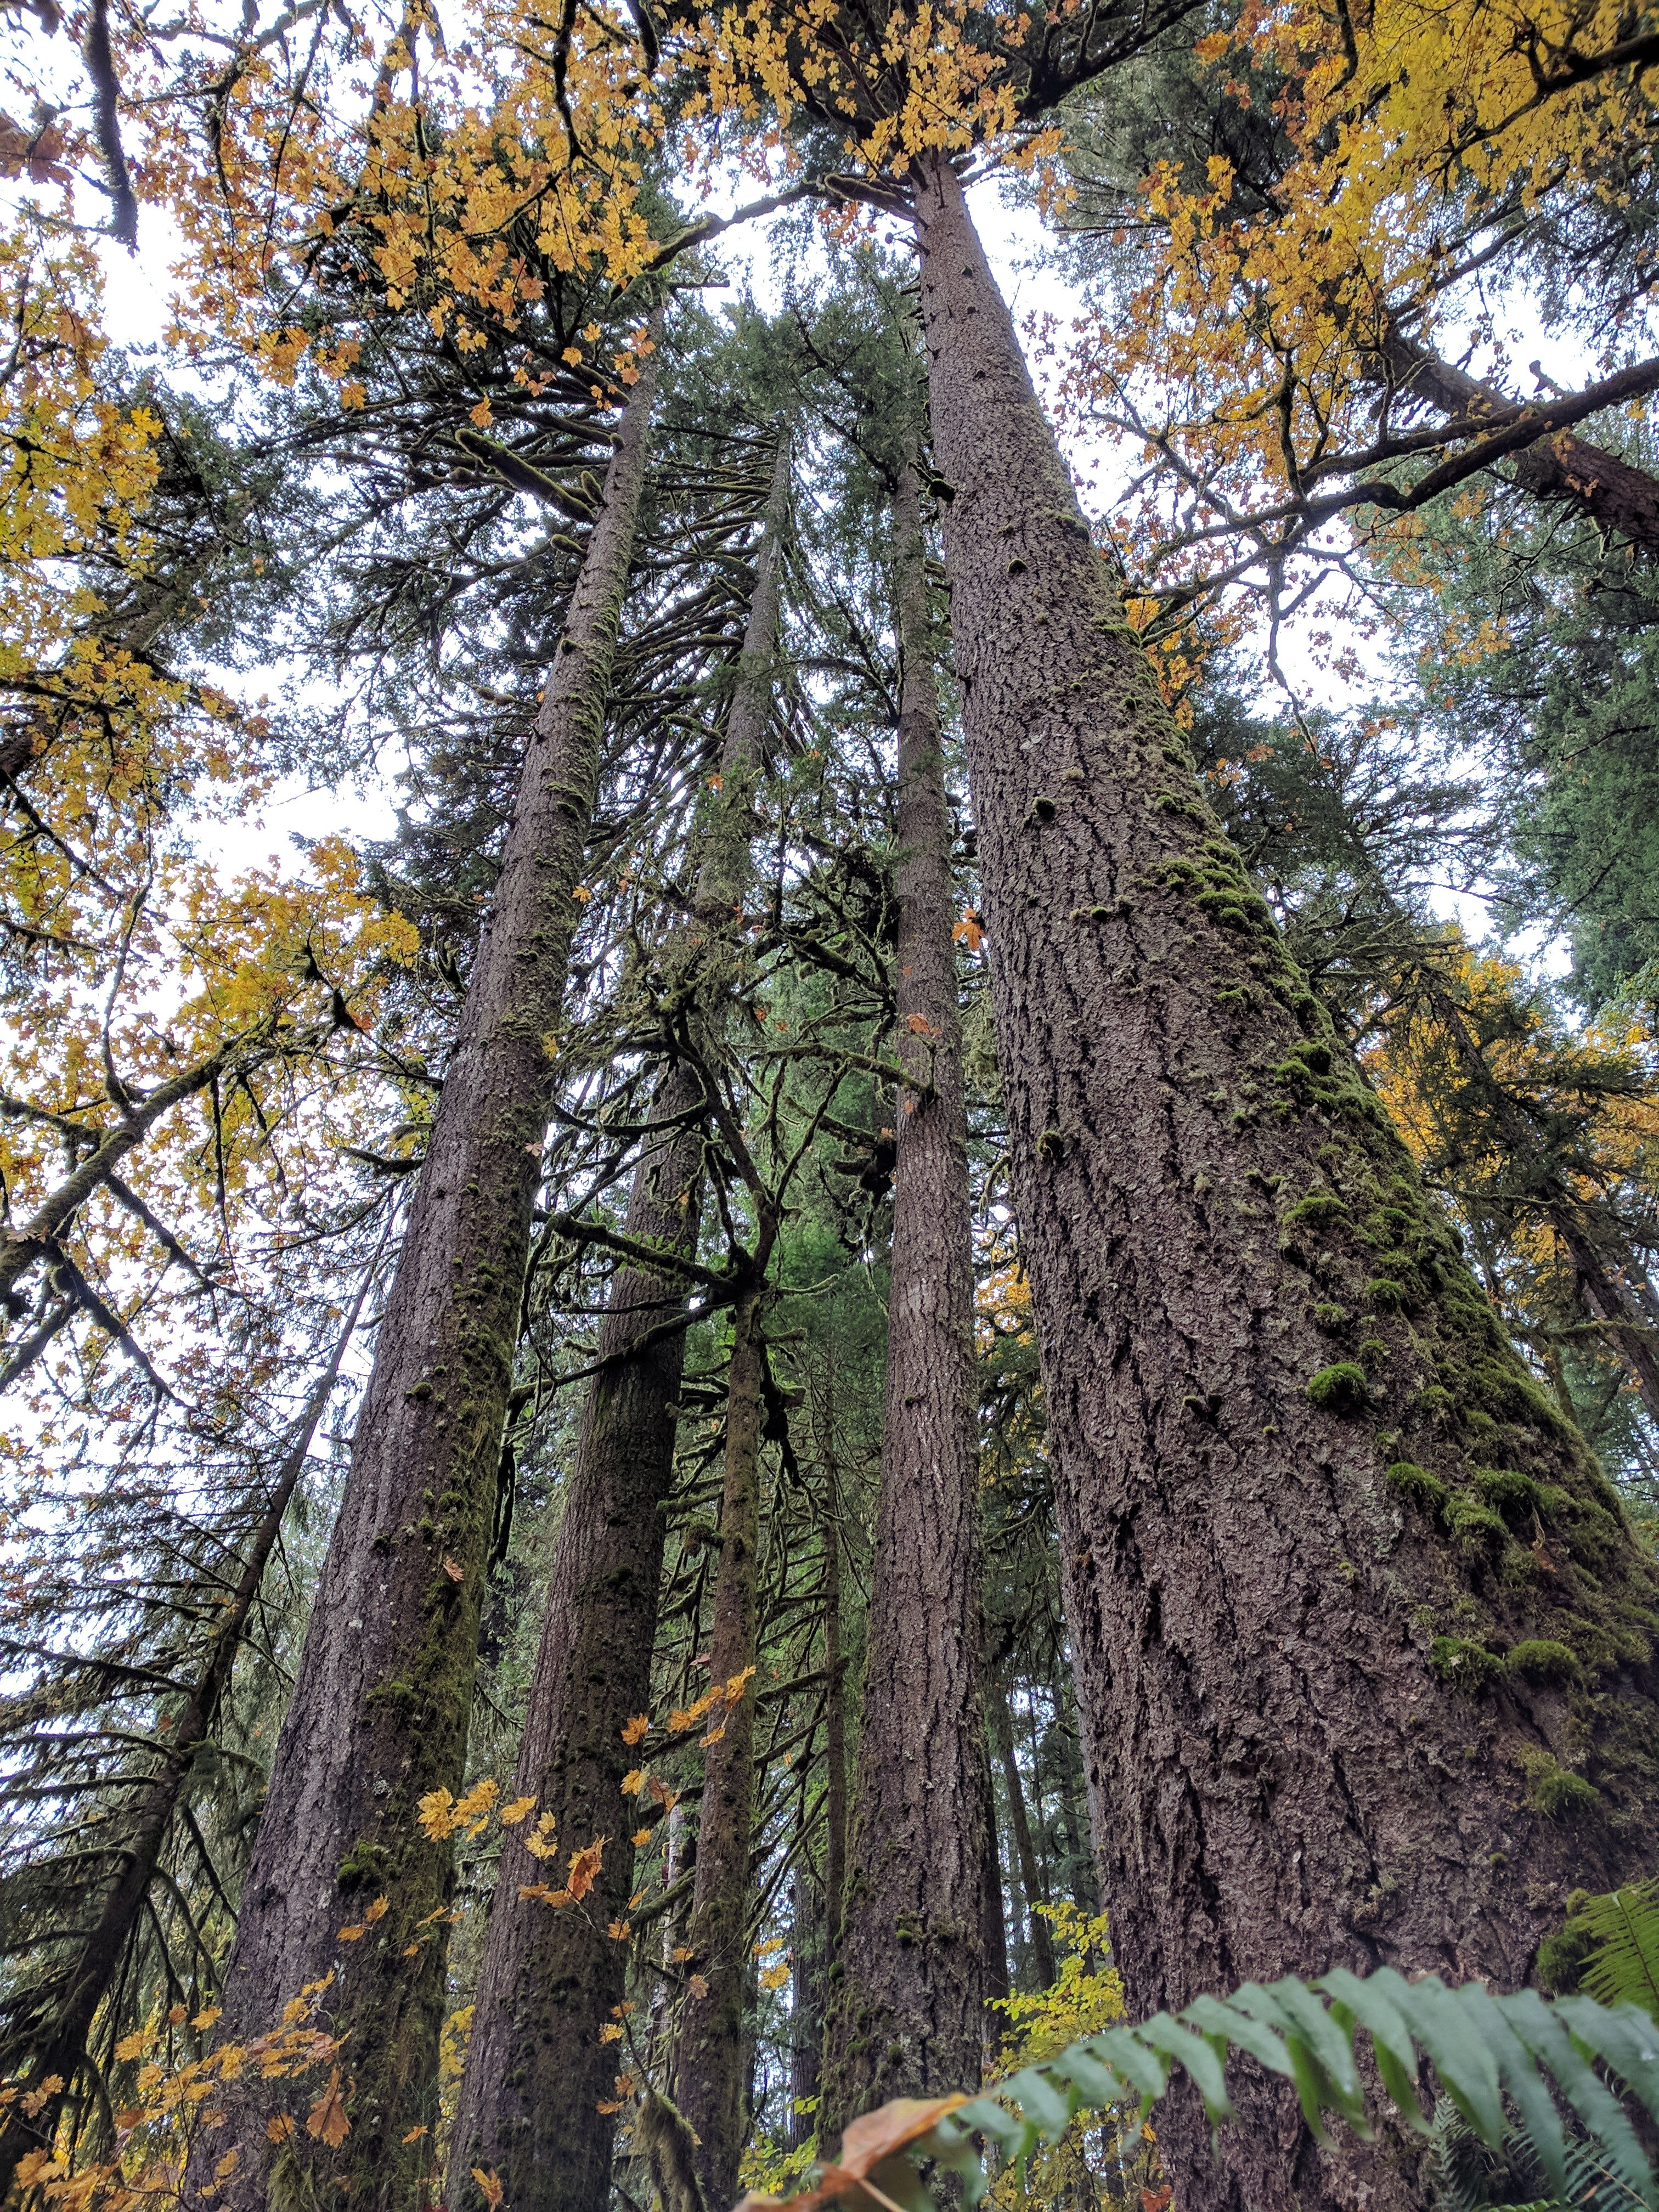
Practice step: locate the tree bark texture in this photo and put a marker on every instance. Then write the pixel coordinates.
(536, 2072)
(1568, 470)
(709, 2068)
(379, 1711)
(906, 2015)
(87, 1981)
(1364, 1641)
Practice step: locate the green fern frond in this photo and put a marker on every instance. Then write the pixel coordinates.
(1624, 1967)
(1499, 2059)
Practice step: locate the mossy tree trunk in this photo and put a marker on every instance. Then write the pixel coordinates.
(906, 2018)
(380, 1711)
(536, 2073)
(1364, 1642)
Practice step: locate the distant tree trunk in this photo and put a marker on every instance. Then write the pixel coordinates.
(1299, 1474)
(379, 1711)
(835, 1721)
(1080, 1847)
(536, 2073)
(709, 2070)
(85, 1981)
(1019, 1825)
(997, 1984)
(809, 1962)
(905, 2019)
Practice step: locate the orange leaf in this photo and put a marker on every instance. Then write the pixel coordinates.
(327, 2119)
(490, 2183)
(871, 2138)
(279, 2127)
(456, 1572)
(634, 1729)
(585, 1867)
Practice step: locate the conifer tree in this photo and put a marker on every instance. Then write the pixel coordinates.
(379, 1712)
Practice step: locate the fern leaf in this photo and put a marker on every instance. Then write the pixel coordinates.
(1624, 1968)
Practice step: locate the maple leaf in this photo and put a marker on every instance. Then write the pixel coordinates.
(414, 2135)
(378, 1911)
(482, 414)
(489, 2184)
(351, 1934)
(278, 2127)
(585, 1867)
(640, 1836)
(619, 1930)
(453, 1569)
(775, 1977)
(870, 2139)
(611, 2032)
(634, 1729)
(970, 931)
(633, 1781)
(326, 2119)
(697, 1985)
(520, 1809)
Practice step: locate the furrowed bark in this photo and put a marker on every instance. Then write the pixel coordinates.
(709, 2062)
(1364, 1642)
(1569, 469)
(86, 1982)
(906, 2016)
(536, 2072)
(379, 1711)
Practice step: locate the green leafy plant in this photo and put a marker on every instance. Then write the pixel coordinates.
(1624, 1967)
(1499, 2059)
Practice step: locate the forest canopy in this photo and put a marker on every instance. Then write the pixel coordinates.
(860, 1401)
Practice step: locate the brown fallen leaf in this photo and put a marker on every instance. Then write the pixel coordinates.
(871, 2138)
(327, 2119)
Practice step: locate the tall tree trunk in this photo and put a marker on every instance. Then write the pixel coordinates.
(997, 1984)
(1335, 1695)
(709, 2070)
(85, 1981)
(536, 2073)
(808, 1965)
(380, 1711)
(1019, 1826)
(906, 2016)
(834, 1671)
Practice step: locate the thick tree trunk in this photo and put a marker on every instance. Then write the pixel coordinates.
(1019, 1826)
(536, 2072)
(709, 2069)
(87, 1981)
(1565, 469)
(1365, 1644)
(380, 1711)
(906, 2016)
